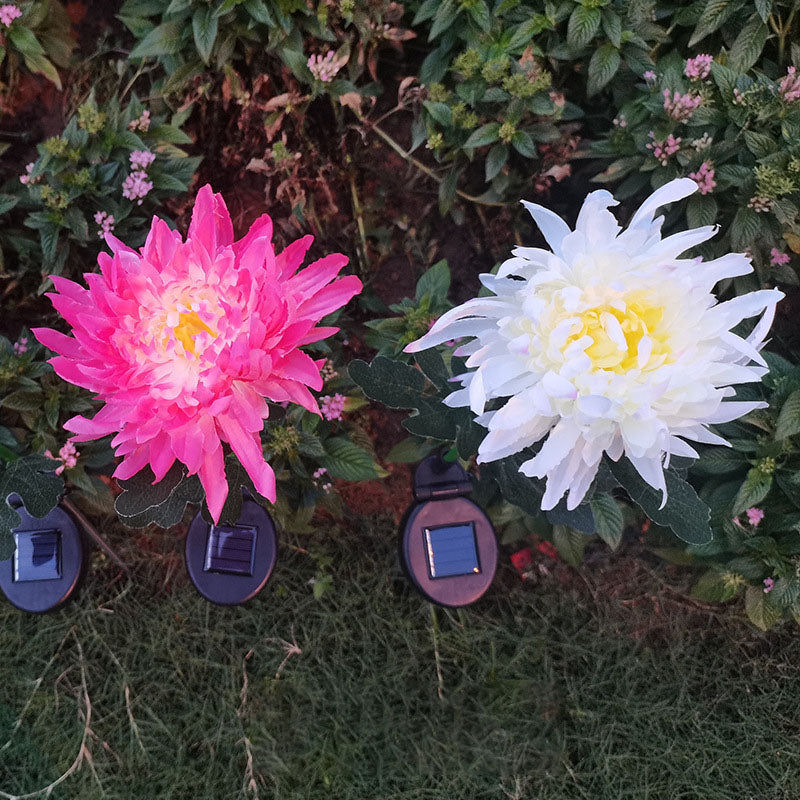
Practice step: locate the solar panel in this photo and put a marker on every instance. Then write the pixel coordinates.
(37, 556)
(231, 550)
(452, 550)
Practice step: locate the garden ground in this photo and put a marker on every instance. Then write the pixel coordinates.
(608, 683)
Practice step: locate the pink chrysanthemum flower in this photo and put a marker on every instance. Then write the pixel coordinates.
(184, 340)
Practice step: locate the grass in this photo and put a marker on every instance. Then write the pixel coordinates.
(606, 686)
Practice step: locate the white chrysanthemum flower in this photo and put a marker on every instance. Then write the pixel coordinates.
(609, 344)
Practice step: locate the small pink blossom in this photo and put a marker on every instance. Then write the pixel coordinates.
(106, 223)
(332, 407)
(318, 473)
(650, 77)
(136, 186)
(769, 585)
(789, 86)
(328, 371)
(777, 258)
(186, 339)
(141, 123)
(704, 178)
(760, 204)
(324, 68)
(26, 178)
(8, 13)
(699, 67)
(663, 150)
(680, 107)
(738, 97)
(21, 346)
(620, 122)
(141, 159)
(67, 455)
(754, 516)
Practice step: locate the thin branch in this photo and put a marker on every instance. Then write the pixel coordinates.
(95, 536)
(428, 171)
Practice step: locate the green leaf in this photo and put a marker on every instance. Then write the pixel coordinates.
(430, 361)
(748, 45)
(745, 228)
(34, 480)
(443, 18)
(410, 451)
(764, 8)
(25, 41)
(496, 160)
(523, 144)
(435, 65)
(481, 15)
(603, 66)
(612, 26)
(570, 544)
(713, 17)
(390, 382)
(701, 210)
(297, 63)
(755, 488)
(759, 144)
(260, 12)
(523, 492)
(440, 112)
(142, 502)
(713, 587)
(163, 40)
(432, 420)
(788, 423)
(719, 461)
(434, 282)
(23, 400)
(348, 461)
(760, 611)
(486, 134)
(684, 513)
(608, 519)
(447, 190)
(425, 11)
(43, 66)
(171, 134)
(584, 22)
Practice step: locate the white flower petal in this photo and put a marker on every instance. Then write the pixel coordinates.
(553, 228)
(668, 193)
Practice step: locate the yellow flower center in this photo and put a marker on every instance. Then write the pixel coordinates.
(189, 326)
(616, 334)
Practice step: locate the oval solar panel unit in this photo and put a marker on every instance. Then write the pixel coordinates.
(47, 564)
(230, 564)
(447, 544)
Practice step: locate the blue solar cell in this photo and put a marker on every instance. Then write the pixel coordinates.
(452, 550)
(231, 550)
(37, 556)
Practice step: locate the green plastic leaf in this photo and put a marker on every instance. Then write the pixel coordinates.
(603, 66)
(522, 491)
(410, 451)
(570, 544)
(760, 611)
(34, 480)
(430, 361)
(608, 519)
(432, 420)
(142, 502)
(348, 461)
(390, 382)
(788, 423)
(755, 488)
(584, 22)
(685, 513)
(163, 40)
